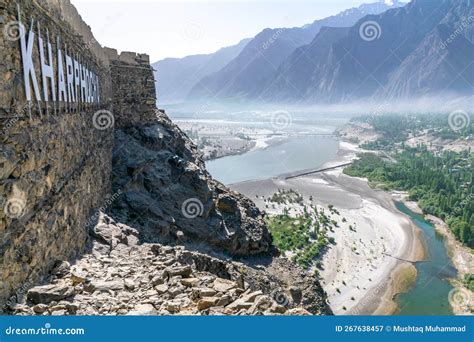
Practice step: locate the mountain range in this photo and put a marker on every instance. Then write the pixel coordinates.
(175, 77)
(383, 50)
(413, 56)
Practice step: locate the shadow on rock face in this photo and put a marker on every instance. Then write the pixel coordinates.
(168, 194)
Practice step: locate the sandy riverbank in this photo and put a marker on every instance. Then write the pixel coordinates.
(461, 256)
(463, 260)
(402, 196)
(363, 271)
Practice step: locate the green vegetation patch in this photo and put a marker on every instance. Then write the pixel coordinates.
(469, 281)
(398, 128)
(304, 234)
(441, 183)
(286, 197)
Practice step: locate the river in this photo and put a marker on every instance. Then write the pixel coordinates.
(429, 295)
(295, 154)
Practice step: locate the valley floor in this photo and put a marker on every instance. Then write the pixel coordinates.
(368, 264)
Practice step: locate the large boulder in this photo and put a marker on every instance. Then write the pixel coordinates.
(168, 192)
(48, 293)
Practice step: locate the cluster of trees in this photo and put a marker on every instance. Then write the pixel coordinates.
(469, 281)
(442, 184)
(286, 197)
(396, 128)
(305, 234)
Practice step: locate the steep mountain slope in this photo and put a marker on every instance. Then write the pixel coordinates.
(176, 76)
(410, 57)
(251, 71)
(300, 71)
(439, 65)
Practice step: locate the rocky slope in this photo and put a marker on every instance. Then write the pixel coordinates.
(169, 193)
(149, 255)
(121, 276)
(108, 208)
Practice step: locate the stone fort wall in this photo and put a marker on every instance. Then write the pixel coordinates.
(55, 157)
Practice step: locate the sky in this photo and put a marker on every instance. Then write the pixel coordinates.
(177, 28)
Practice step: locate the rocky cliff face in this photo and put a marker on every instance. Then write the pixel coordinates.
(168, 192)
(116, 214)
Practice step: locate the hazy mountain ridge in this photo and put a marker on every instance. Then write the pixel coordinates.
(256, 66)
(249, 72)
(406, 61)
(176, 76)
(423, 49)
(446, 66)
(293, 77)
(356, 67)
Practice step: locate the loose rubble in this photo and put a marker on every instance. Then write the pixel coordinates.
(154, 279)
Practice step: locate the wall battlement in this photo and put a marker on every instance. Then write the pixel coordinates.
(127, 57)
